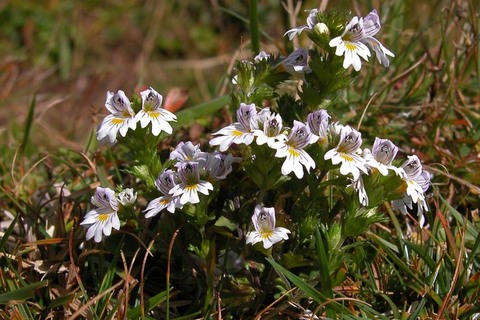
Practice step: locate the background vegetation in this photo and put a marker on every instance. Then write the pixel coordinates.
(60, 57)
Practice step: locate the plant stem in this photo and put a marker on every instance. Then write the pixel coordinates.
(254, 32)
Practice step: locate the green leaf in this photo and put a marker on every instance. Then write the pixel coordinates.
(23, 293)
(28, 125)
(5, 236)
(224, 222)
(136, 313)
(188, 116)
(310, 291)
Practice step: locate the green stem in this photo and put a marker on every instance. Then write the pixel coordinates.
(254, 31)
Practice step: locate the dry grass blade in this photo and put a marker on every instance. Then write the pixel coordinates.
(466, 183)
(170, 248)
(142, 278)
(92, 301)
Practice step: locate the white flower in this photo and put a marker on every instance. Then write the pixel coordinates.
(292, 149)
(271, 131)
(127, 197)
(104, 217)
(345, 153)
(262, 55)
(359, 186)
(164, 183)
(352, 43)
(264, 222)
(238, 132)
(296, 62)
(185, 151)
(312, 20)
(190, 184)
(381, 156)
(417, 181)
(317, 122)
(371, 25)
(218, 165)
(122, 118)
(153, 113)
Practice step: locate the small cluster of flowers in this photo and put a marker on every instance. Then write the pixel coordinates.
(353, 43)
(183, 185)
(104, 217)
(177, 187)
(266, 127)
(122, 116)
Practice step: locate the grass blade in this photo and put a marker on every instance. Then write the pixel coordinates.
(188, 116)
(254, 34)
(22, 293)
(28, 125)
(135, 313)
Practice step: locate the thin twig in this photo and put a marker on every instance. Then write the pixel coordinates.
(365, 111)
(170, 248)
(142, 279)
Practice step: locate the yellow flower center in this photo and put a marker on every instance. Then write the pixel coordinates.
(346, 157)
(237, 133)
(103, 217)
(117, 121)
(154, 114)
(265, 234)
(350, 46)
(293, 152)
(191, 187)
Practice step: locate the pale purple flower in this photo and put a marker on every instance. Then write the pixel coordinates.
(352, 42)
(190, 184)
(217, 165)
(297, 62)
(381, 156)
(346, 153)
(312, 20)
(317, 122)
(185, 151)
(417, 181)
(271, 131)
(153, 113)
(127, 197)
(122, 118)
(164, 183)
(359, 187)
(104, 217)
(238, 132)
(371, 25)
(292, 150)
(265, 231)
(262, 55)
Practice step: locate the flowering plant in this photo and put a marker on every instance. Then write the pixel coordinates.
(284, 186)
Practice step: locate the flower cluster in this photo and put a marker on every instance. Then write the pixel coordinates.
(123, 117)
(357, 36)
(343, 148)
(266, 127)
(314, 146)
(355, 40)
(184, 185)
(104, 217)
